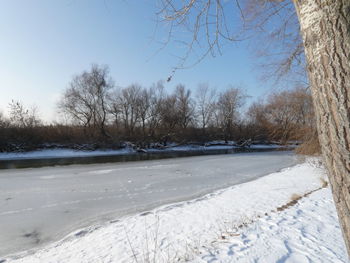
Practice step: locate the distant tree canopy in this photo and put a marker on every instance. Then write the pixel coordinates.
(101, 114)
(138, 113)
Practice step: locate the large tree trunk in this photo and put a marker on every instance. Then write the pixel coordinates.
(325, 28)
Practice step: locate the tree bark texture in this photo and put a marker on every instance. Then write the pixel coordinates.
(325, 28)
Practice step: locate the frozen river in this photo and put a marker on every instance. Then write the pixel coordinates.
(41, 205)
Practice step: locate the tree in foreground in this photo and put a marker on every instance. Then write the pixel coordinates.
(325, 29)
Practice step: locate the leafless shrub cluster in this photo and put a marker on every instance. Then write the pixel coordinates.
(311, 144)
(23, 117)
(286, 115)
(4, 122)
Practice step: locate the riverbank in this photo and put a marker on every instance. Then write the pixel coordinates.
(52, 157)
(251, 222)
(40, 206)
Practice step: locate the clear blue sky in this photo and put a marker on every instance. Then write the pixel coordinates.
(45, 42)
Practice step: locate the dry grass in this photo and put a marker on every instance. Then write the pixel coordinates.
(311, 146)
(324, 182)
(293, 201)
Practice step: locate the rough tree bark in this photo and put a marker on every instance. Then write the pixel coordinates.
(325, 28)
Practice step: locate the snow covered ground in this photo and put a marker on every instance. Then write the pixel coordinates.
(237, 224)
(306, 232)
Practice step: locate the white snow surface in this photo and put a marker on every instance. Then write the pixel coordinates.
(307, 232)
(209, 229)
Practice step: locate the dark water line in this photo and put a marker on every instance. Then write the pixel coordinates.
(43, 162)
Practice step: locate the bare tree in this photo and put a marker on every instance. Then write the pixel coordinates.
(324, 27)
(129, 104)
(184, 106)
(4, 122)
(168, 113)
(115, 107)
(288, 114)
(86, 99)
(228, 104)
(326, 35)
(258, 121)
(23, 117)
(144, 107)
(156, 99)
(206, 100)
